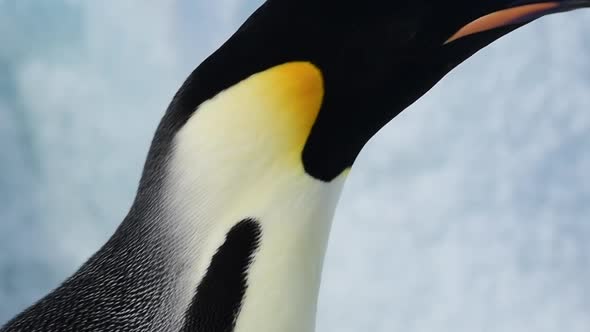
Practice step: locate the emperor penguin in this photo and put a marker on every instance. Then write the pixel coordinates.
(228, 230)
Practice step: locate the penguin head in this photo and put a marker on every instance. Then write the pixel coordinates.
(376, 57)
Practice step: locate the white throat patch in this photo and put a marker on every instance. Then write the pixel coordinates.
(237, 157)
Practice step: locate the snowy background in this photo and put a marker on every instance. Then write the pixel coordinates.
(469, 212)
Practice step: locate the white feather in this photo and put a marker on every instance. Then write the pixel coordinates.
(237, 157)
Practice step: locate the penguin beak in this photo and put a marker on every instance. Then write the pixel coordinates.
(517, 13)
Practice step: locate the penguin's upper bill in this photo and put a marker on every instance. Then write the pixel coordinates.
(519, 12)
(376, 57)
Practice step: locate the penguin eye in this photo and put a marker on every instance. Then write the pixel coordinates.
(505, 17)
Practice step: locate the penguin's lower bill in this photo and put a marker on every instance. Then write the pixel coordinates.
(518, 12)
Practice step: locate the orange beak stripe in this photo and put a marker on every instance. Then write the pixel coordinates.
(502, 18)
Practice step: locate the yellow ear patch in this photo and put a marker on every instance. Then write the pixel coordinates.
(296, 91)
(267, 117)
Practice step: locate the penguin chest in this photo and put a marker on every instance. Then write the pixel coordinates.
(251, 226)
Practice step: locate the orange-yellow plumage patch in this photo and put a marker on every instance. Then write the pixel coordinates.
(295, 92)
(264, 119)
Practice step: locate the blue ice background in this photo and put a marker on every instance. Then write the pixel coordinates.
(469, 212)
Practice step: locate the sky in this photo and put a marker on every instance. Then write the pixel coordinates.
(468, 212)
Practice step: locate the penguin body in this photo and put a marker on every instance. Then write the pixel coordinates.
(230, 223)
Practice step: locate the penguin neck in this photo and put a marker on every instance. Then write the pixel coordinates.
(237, 159)
(292, 216)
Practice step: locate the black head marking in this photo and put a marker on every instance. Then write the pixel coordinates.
(377, 57)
